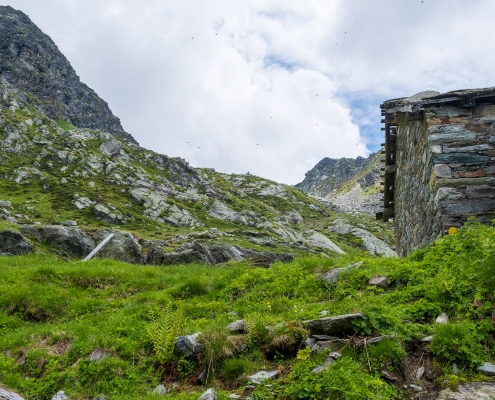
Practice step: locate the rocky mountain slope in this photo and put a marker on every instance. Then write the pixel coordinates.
(350, 184)
(34, 72)
(69, 173)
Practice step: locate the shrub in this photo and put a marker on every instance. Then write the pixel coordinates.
(458, 342)
(233, 368)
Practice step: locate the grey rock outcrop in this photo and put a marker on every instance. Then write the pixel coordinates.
(316, 239)
(123, 246)
(71, 240)
(31, 63)
(340, 325)
(210, 254)
(13, 242)
(104, 214)
(371, 243)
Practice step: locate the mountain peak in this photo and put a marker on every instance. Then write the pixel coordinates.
(35, 73)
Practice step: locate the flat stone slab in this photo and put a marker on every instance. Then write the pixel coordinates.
(339, 325)
(487, 369)
(261, 376)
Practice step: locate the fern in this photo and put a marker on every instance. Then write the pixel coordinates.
(164, 327)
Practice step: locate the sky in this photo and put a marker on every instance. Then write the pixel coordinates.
(268, 87)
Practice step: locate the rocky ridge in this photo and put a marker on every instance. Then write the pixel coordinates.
(347, 183)
(34, 72)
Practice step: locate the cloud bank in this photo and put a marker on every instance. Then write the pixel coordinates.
(270, 87)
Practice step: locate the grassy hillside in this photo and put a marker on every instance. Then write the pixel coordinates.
(54, 314)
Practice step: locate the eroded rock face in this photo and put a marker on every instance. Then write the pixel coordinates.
(69, 239)
(25, 51)
(12, 242)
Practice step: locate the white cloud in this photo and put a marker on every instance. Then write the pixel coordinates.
(265, 86)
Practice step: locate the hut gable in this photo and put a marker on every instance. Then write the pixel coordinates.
(439, 156)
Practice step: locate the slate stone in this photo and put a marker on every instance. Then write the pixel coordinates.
(481, 191)
(443, 171)
(260, 376)
(340, 325)
(124, 246)
(69, 239)
(7, 395)
(332, 276)
(329, 361)
(468, 206)
(188, 345)
(238, 326)
(459, 158)
(379, 281)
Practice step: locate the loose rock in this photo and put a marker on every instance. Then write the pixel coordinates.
(14, 243)
(261, 376)
(442, 319)
(379, 281)
(487, 369)
(210, 394)
(340, 325)
(332, 276)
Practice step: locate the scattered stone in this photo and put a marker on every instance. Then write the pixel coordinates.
(261, 376)
(329, 361)
(469, 391)
(238, 326)
(5, 203)
(310, 342)
(386, 375)
(455, 369)
(487, 369)
(325, 337)
(335, 355)
(324, 313)
(60, 396)
(332, 276)
(202, 376)
(333, 346)
(100, 397)
(98, 355)
(210, 394)
(379, 339)
(160, 390)
(188, 345)
(415, 388)
(442, 319)
(379, 281)
(427, 339)
(340, 325)
(14, 243)
(419, 373)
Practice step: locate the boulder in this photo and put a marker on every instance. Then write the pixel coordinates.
(379, 281)
(332, 276)
(442, 319)
(469, 391)
(210, 394)
(188, 345)
(14, 242)
(340, 325)
(123, 246)
(69, 239)
(321, 241)
(220, 211)
(238, 326)
(80, 203)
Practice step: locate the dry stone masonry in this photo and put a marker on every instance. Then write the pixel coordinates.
(439, 156)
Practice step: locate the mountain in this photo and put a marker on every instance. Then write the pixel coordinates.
(35, 73)
(348, 183)
(65, 159)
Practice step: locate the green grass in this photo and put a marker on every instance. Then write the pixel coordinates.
(54, 313)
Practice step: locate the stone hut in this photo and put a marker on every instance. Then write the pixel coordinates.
(439, 156)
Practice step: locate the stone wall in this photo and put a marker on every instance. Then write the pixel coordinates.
(417, 219)
(445, 172)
